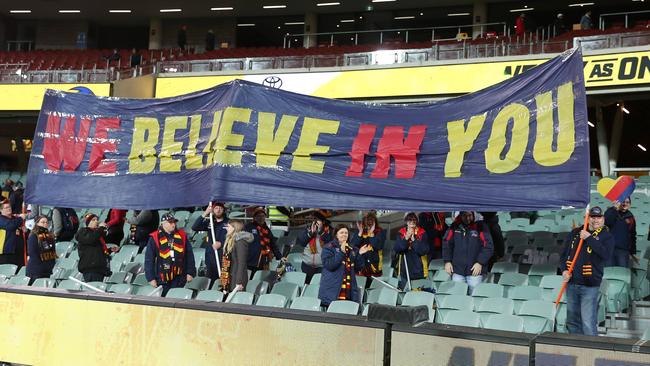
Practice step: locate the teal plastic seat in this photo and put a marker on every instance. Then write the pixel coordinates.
(310, 291)
(384, 296)
(485, 290)
(74, 255)
(646, 335)
(121, 288)
(306, 303)
(242, 298)
(272, 300)
(119, 260)
(451, 288)
(295, 259)
(417, 298)
(315, 279)
(129, 251)
(69, 285)
(255, 287)
(63, 248)
(440, 277)
(436, 265)
(43, 282)
(8, 270)
(19, 280)
(295, 277)
(210, 295)
(140, 280)
(549, 284)
(120, 277)
(511, 323)
(462, 318)
(288, 290)
(343, 307)
(640, 285)
(537, 316)
(500, 268)
(139, 258)
(261, 275)
(495, 305)
(198, 284)
(453, 302)
(509, 280)
(421, 283)
(179, 293)
(67, 263)
(361, 281)
(148, 291)
(618, 288)
(524, 293)
(537, 271)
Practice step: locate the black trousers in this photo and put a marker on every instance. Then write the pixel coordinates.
(310, 271)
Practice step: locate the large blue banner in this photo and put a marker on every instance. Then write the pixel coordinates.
(519, 145)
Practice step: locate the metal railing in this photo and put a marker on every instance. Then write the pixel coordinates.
(626, 14)
(407, 31)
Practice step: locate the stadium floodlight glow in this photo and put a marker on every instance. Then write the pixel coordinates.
(328, 4)
(347, 20)
(641, 147)
(520, 10)
(405, 17)
(171, 10)
(274, 6)
(246, 24)
(294, 23)
(69, 11)
(591, 124)
(118, 11)
(20, 11)
(223, 8)
(457, 14)
(625, 110)
(580, 4)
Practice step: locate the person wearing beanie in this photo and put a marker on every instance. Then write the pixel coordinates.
(466, 249)
(313, 239)
(622, 225)
(213, 249)
(264, 247)
(411, 249)
(370, 233)
(94, 255)
(41, 251)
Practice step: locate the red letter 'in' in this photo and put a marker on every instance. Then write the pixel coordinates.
(360, 148)
(405, 152)
(102, 145)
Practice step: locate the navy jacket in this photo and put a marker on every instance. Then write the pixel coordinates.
(334, 269)
(465, 245)
(415, 254)
(622, 226)
(152, 267)
(203, 224)
(12, 240)
(36, 268)
(255, 247)
(595, 251)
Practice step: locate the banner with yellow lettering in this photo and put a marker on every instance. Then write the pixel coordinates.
(521, 144)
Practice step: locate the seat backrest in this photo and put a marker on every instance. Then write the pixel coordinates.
(288, 290)
(272, 300)
(19, 280)
(261, 275)
(295, 277)
(242, 298)
(210, 295)
(343, 307)
(525, 293)
(457, 302)
(497, 305)
(306, 303)
(385, 296)
(43, 282)
(513, 279)
(8, 270)
(310, 291)
(179, 293)
(315, 279)
(539, 308)
(198, 283)
(618, 274)
(646, 335)
(148, 291)
(485, 289)
(69, 285)
(452, 288)
(504, 322)
(551, 281)
(140, 280)
(462, 318)
(121, 288)
(505, 267)
(416, 298)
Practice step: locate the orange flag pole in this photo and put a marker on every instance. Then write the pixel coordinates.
(575, 258)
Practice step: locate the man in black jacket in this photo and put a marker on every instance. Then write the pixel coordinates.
(94, 256)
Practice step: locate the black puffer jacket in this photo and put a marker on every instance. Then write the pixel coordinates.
(92, 257)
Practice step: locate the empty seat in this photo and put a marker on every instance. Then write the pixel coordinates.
(242, 298)
(306, 303)
(510, 323)
(8, 270)
(310, 291)
(288, 290)
(537, 271)
(129, 251)
(453, 302)
(140, 280)
(121, 288)
(538, 316)
(315, 279)
(524, 293)
(549, 284)
(618, 288)
(69, 285)
(261, 275)
(255, 287)
(198, 284)
(451, 288)
(509, 280)
(440, 277)
(210, 295)
(18, 280)
(120, 277)
(343, 307)
(502, 267)
(295, 277)
(495, 305)
(272, 300)
(484, 290)
(384, 295)
(148, 291)
(462, 318)
(67, 263)
(417, 298)
(43, 282)
(63, 248)
(179, 293)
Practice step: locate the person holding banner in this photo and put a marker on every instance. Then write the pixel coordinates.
(11, 243)
(622, 225)
(168, 259)
(212, 249)
(234, 273)
(467, 249)
(584, 283)
(340, 262)
(313, 239)
(370, 233)
(94, 255)
(411, 249)
(41, 251)
(264, 247)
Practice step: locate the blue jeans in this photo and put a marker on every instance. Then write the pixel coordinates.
(582, 309)
(472, 281)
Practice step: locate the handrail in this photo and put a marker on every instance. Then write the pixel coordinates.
(381, 31)
(601, 20)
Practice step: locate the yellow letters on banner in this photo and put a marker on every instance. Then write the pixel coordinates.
(209, 147)
(269, 144)
(227, 138)
(142, 159)
(543, 148)
(308, 144)
(192, 159)
(171, 147)
(520, 116)
(461, 141)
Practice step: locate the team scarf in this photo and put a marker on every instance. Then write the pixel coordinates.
(346, 283)
(587, 269)
(312, 242)
(374, 269)
(225, 271)
(46, 246)
(266, 254)
(171, 263)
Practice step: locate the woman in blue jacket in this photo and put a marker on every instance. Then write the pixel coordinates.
(340, 263)
(41, 251)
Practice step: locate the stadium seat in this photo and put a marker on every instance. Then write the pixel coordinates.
(640, 284)
(210, 295)
(67, 263)
(306, 303)
(646, 335)
(511, 323)
(462, 318)
(296, 260)
(440, 277)
(310, 291)
(140, 280)
(343, 307)
(519, 294)
(495, 305)
(549, 284)
(450, 288)
(139, 258)
(119, 260)
(255, 287)
(129, 251)
(121, 288)
(421, 283)
(8, 270)
(538, 316)
(315, 279)
(537, 271)
(499, 268)
(119, 277)
(295, 277)
(288, 290)
(68, 285)
(417, 298)
(63, 248)
(453, 302)
(198, 284)
(18, 281)
(385, 296)
(436, 265)
(242, 298)
(74, 255)
(618, 288)
(509, 280)
(148, 291)
(361, 281)
(133, 268)
(179, 293)
(485, 290)
(272, 300)
(43, 282)
(261, 275)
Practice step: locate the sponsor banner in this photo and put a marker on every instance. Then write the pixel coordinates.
(29, 97)
(623, 69)
(565, 355)
(519, 145)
